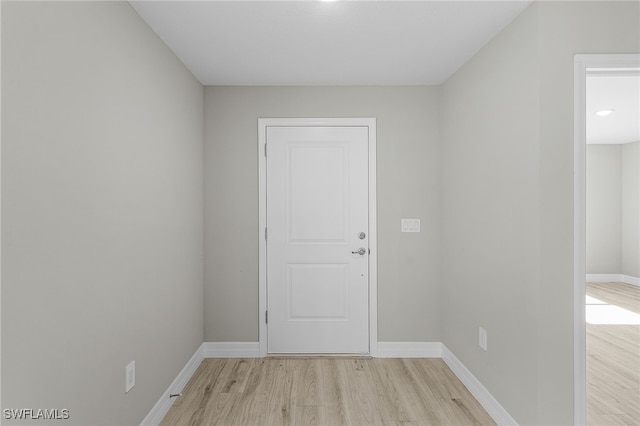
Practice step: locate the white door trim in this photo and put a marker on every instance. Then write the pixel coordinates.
(581, 64)
(263, 123)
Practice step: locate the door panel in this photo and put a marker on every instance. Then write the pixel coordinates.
(317, 211)
(317, 292)
(317, 205)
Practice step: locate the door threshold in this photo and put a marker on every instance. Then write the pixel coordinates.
(316, 355)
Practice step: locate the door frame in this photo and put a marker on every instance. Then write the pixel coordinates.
(582, 63)
(263, 124)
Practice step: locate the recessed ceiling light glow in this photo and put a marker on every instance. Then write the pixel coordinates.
(605, 112)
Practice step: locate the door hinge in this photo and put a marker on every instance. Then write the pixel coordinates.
(266, 317)
(265, 233)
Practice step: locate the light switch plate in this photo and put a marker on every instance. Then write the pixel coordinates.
(410, 225)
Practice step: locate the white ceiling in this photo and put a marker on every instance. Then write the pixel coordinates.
(621, 93)
(358, 42)
(304, 42)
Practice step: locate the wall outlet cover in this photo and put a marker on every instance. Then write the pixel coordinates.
(482, 338)
(130, 376)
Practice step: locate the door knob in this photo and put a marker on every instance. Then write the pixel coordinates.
(361, 251)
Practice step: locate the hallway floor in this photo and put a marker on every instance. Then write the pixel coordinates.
(325, 391)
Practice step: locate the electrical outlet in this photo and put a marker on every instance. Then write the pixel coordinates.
(482, 338)
(130, 376)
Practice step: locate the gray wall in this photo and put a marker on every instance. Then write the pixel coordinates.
(490, 215)
(604, 209)
(408, 186)
(508, 261)
(613, 215)
(630, 262)
(102, 211)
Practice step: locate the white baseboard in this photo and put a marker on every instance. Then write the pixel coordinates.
(477, 389)
(613, 278)
(409, 350)
(159, 410)
(231, 350)
(604, 278)
(631, 280)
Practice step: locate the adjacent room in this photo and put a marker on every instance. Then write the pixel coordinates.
(144, 155)
(613, 246)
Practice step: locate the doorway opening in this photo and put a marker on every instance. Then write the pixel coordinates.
(584, 65)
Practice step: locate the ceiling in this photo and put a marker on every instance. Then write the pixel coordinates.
(619, 91)
(358, 42)
(305, 42)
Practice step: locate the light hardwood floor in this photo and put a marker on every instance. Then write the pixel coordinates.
(325, 391)
(613, 360)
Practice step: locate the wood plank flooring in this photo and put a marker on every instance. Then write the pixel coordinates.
(325, 391)
(613, 360)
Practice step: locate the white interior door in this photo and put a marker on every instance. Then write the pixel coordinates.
(318, 240)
